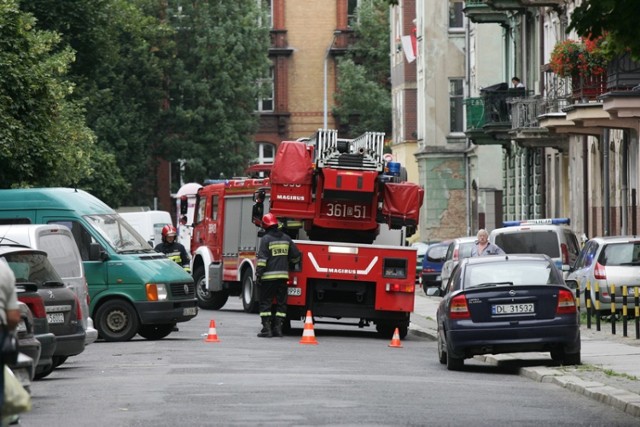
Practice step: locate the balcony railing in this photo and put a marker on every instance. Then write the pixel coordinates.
(475, 113)
(525, 112)
(623, 73)
(557, 92)
(587, 89)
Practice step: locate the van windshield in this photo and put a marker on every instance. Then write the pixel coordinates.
(530, 242)
(120, 235)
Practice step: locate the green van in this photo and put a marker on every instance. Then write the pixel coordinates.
(132, 288)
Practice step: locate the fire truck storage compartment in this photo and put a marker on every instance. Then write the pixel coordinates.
(348, 185)
(215, 277)
(331, 297)
(401, 204)
(237, 236)
(292, 181)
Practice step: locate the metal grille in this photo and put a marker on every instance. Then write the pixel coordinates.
(178, 289)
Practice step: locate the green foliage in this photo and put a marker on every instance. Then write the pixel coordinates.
(220, 54)
(43, 138)
(363, 98)
(617, 19)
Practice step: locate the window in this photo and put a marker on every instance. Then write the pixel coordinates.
(266, 95)
(352, 17)
(266, 153)
(267, 8)
(455, 105)
(214, 208)
(455, 14)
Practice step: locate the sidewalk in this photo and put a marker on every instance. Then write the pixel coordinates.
(610, 370)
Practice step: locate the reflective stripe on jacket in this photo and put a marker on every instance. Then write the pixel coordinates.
(276, 252)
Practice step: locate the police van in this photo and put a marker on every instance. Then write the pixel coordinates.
(549, 236)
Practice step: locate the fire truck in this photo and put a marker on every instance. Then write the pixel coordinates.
(333, 196)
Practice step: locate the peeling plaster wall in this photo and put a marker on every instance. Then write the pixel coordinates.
(446, 198)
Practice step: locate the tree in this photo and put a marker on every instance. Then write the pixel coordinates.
(220, 55)
(43, 138)
(615, 18)
(363, 98)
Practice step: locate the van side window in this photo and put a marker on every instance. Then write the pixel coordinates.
(81, 236)
(214, 208)
(9, 221)
(201, 204)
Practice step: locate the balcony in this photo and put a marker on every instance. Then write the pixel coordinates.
(542, 3)
(506, 4)
(525, 124)
(622, 99)
(586, 89)
(479, 12)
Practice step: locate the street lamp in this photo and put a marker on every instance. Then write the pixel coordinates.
(326, 60)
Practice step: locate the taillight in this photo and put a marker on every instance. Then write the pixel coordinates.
(399, 287)
(565, 253)
(566, 302)
(458, 308)
(599, 272)
(36, 305)
(455, 254)
(78, 308)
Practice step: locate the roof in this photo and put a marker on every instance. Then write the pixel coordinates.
(52, 199)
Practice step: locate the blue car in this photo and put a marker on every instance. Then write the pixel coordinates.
(432, 263)
(507, 304)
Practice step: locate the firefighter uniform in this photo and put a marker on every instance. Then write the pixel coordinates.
(173, 250)
(277, 252)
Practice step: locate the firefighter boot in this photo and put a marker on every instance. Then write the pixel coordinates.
(277, 327)
(266, 328)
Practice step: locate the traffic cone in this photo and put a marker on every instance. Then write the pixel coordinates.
(308, 336)
(395, 340)
(213, 335)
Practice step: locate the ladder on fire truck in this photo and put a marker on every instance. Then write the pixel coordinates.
(363, 153)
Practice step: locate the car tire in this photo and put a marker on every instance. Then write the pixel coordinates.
(207, 299)
(454, 363)
(572, 359)
(58, 360)
(44, 373)
(442, 354)
(249, 292)
(155, 332)
(117, 320)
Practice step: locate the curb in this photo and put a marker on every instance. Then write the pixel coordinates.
(623, 400)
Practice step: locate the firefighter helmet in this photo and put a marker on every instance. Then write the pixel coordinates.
(168, 230)
(269, 220)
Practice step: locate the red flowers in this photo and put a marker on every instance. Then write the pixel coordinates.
(571, 58)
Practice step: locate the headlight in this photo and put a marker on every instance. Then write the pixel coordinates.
(156, 291)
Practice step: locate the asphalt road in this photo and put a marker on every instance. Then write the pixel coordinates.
(352, 377)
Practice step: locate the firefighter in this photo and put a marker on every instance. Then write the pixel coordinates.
(172, 249)
(277, 252)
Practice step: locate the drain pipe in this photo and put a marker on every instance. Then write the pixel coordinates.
(605, 181)
(624, 197)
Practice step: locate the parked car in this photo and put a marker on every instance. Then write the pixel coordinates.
(507, 304)
(61, 303)
(458, 249)
(432, 262)
(28, 294)
(421, 248)
(29, 347)
(61, 248)
(549, 236)
(605, 261)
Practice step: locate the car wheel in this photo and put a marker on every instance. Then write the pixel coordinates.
(155, 332)
(442, 355)
(206, 299)
(117, 320)
(571, 359)
(58, 360)
(44, 373)
(249, 293)
(454, 363)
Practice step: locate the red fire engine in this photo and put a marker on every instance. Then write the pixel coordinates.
(331, 195)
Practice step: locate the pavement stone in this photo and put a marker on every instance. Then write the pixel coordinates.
(610, 370)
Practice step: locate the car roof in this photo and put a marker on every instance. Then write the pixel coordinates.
(508, 257)
(466, 239)
(616, 239)
(10, 249)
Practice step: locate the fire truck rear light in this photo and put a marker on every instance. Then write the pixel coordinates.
(400, 287)
(343, 250)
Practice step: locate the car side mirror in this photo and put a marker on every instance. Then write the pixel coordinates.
(96, 253)
(434, 292)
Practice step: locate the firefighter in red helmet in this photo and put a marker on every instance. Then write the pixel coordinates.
(171, 248)
(276, 254)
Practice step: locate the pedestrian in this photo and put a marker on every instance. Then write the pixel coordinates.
(9, 313)
(517, 83)
(172, 249)
(483, 246)
(276, 255)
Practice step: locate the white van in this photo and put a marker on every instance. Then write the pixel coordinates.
(62, 251)
(148, 223)
(549, 236)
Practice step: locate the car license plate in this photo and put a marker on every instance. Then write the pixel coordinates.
(55, 317)
(512, 308)
(189, 311)
(294, 292)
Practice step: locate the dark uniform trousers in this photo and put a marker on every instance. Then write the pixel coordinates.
(268, 290)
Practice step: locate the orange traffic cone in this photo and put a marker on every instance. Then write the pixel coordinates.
(308, 336)
(395, 340)
(213, 335)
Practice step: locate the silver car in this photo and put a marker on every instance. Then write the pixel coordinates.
(606, 261)
(459, 248)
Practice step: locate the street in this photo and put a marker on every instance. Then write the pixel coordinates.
(352, 377)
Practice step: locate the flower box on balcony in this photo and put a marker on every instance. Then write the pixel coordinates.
(588, 88)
